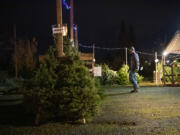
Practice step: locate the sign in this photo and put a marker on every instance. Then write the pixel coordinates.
(63, 29)
(97, 71)
(56, 30)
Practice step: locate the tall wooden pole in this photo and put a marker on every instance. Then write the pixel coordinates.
(172, 73)
(93, 62)
(156, 67)
(15, 50)
(71, 20)
(76, 38)
(126, 57)
(163, 65)
(59, 25)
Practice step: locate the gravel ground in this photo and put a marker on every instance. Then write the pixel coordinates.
(151, 111)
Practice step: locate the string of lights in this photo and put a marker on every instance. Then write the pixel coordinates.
(112, 49)
(102, 48)
(68, 8)
(85, 46)
(75, 27)
(145, 53)
(66, 5)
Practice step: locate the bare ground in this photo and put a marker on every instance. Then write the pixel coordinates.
(151, 111)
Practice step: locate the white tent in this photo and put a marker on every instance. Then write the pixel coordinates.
(174, 45)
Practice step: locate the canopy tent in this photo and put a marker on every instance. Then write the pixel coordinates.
(172, 48)
(174, 45)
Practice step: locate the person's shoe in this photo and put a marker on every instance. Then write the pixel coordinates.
(134, 91)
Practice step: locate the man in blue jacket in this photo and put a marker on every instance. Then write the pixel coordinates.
(133, 69)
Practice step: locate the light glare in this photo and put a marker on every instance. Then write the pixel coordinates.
(165, 53)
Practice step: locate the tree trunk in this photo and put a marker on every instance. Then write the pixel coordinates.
(37, 119)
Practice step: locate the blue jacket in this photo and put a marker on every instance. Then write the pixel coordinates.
(134, 61)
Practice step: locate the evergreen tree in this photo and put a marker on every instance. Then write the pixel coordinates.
(24, 56)
(79, 98)
(126, 37)
(41, 87)
(62, 87)
(122, 35)
(126, 40)
(131, 37)
(118, 57)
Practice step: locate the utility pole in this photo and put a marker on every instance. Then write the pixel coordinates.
(76, 38)
(93, 62)
(163, 65)
(156, 67)
(15, 50)
(59, 25)
(71, 20)
(126, 57)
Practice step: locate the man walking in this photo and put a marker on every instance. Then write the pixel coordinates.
(134, 67)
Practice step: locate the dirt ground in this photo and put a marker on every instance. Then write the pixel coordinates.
(151, 111)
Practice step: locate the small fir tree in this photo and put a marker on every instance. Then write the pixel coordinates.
(79, 98)
(40, 88)
(63, 88)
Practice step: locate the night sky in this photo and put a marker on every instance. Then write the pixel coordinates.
(98, 20)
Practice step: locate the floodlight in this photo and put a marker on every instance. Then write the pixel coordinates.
(165, 53)
(156, 60)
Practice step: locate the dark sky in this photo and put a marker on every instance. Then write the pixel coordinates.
(98, 20)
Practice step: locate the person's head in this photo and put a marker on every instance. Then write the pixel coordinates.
(131, 49)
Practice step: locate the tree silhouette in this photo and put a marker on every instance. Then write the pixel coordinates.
(126, 39)
(25, 55)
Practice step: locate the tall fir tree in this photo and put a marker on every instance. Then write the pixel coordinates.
(119, 56)
(131, 37)
(122, 40)
(24, 56)
(126, 39)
